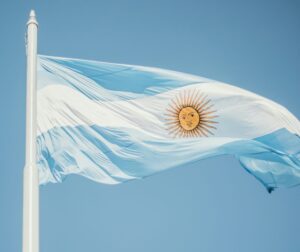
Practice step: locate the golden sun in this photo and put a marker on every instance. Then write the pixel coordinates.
(191, 114)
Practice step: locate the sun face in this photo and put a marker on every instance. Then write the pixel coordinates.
(191, 114)
(188, 118)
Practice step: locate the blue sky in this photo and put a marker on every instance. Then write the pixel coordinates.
(216, 206)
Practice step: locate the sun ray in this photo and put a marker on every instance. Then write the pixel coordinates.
(202, 99)
(203, 109)
(184, 97)
(197, 96)
(208, 126)
(189, 97)
(208, 116)
(171, 123)
(202, 132)
(204, 104)
(208, 121)
(174, 104)
(206, 130)
(208, 112)
(173, 111)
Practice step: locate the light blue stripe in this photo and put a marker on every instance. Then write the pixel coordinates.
(274, 159)
(116, 77)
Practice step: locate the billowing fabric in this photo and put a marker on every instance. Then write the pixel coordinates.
(112, 123)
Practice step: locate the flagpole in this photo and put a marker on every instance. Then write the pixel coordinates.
(30, 183)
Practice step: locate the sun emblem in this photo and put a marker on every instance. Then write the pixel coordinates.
(191, 114)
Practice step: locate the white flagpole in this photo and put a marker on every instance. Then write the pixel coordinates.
(31, 183)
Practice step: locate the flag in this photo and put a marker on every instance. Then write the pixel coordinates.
(115, 122)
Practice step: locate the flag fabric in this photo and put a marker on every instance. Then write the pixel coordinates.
(114, 122)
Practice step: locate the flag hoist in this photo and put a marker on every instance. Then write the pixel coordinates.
(31, 184)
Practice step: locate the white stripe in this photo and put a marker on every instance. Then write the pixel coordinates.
(242, 114)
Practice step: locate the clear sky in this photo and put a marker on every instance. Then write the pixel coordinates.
(216, 206)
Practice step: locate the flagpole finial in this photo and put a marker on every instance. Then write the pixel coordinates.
(32, 13)
(32, 18)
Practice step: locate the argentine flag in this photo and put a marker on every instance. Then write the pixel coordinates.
(113, 123)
